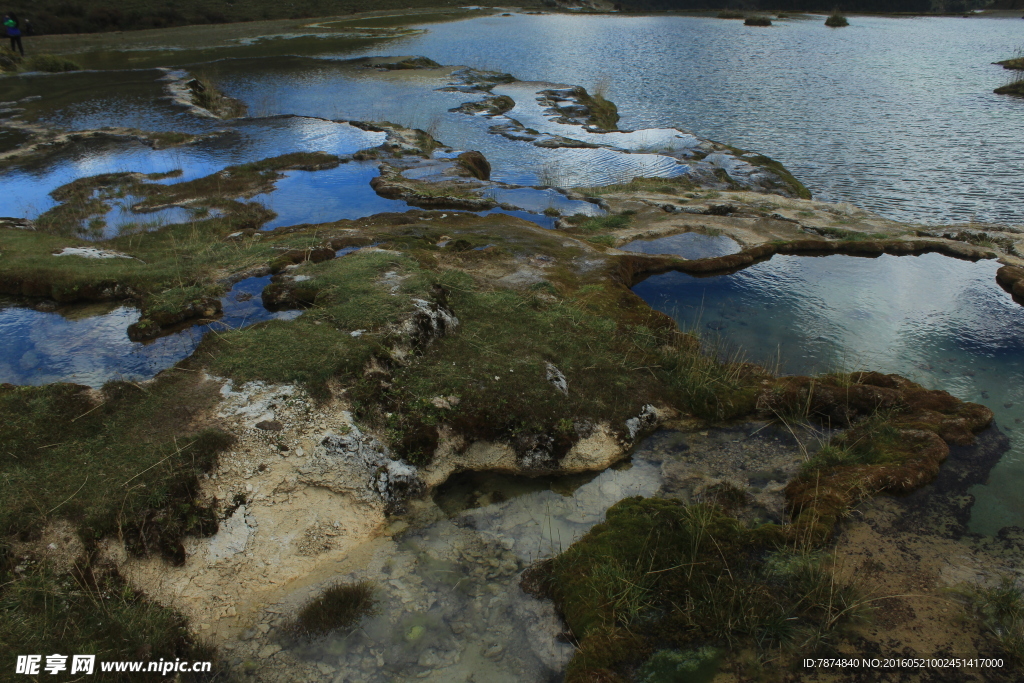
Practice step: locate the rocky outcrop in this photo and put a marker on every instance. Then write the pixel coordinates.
(491, 106)
(360, 464)
(636, 268)
(391, 185)
(430, 321)
(154, 323)
(1011, 278)
(16, 223)
(475, 165)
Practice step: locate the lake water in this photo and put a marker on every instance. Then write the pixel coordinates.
(873, 114)
(938, 321)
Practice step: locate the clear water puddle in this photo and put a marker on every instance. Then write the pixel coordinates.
(689, 245)
(539, 201)
(451, 605)
(89, 344)
(939, 321)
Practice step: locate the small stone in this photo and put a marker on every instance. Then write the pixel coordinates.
(269, 651)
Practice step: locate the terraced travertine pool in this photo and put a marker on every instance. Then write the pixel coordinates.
(450, 603)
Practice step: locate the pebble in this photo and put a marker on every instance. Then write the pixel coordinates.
(269, 651)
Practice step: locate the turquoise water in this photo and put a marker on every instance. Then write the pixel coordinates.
(939, 321)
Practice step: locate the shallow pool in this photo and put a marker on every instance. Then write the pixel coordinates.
(939, 321)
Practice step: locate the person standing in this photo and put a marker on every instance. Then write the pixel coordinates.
(14, 33)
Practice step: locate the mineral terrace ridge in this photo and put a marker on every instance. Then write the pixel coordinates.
(440, 341)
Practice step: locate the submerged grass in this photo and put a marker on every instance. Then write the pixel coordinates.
(1000, 609)
(339, 606)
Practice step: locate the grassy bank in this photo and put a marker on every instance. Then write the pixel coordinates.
(77, 466)
(661, 584)
(94, 16)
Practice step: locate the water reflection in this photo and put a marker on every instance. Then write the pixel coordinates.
(89, 344)
(941, 322)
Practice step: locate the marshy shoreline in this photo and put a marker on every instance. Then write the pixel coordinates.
(205, 507)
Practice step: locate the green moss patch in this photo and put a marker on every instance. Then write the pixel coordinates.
(50, 63)
(897, 441)
(503, 392)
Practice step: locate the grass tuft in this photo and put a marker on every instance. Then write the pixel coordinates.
(90, 610)
(659, 575)
(836, 20)
(205, 94)
(1001, 610)
(340, 606)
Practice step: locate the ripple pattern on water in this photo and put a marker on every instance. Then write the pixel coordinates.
(872, 114)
